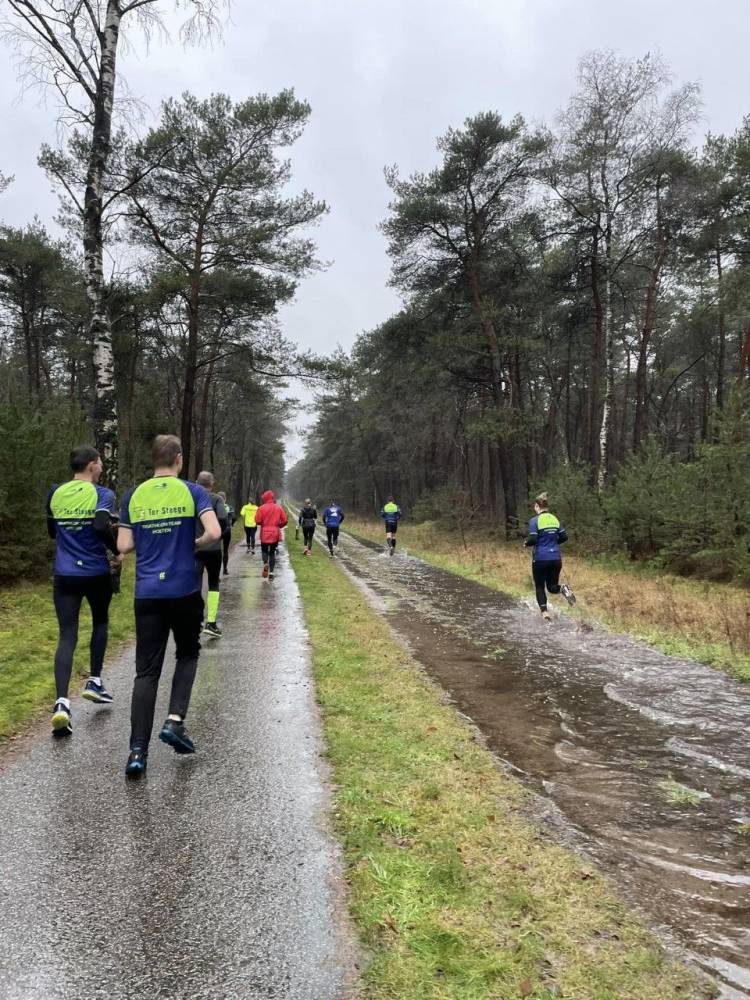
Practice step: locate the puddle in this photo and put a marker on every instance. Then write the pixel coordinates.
(647, 755)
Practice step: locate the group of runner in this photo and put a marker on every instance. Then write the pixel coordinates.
(333, 518)
(176, 528)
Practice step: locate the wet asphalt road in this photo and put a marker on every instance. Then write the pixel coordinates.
(216, 876)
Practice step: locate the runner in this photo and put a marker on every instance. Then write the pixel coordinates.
(210, 556)
(391, 513)
(248, 513)
(308, 517)
(333, 517)
(226, 538)
(79, 518)
(270, 518)
(546, 535)
(158, 520)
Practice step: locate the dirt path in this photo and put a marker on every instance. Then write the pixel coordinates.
(216, 876)
(610, 732)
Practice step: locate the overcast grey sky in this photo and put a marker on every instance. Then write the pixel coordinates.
(384, 80)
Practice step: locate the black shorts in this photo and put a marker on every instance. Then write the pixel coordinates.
(391, 527)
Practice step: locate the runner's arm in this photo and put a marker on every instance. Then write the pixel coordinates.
(211, 529)
(51, 525)
(562, 535)
(104, 531)
(125, 539)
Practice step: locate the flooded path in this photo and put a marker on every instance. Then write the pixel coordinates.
(609, 731)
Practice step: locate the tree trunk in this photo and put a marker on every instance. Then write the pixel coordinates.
(191, 354)
(597, 355)
(100, 330)
(722, 333)
(609, 373)
(200, 438)
(640, 427)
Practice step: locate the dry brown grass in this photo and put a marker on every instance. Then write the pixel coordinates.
(706, 621)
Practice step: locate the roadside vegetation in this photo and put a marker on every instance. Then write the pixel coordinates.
(691, 618)
(28, 638)
(455, 891)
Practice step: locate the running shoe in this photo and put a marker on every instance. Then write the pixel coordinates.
(62, 720)
(211, 628)
(546, 616)
(568, 594)
(175, 734)
(264, 574)
(226, 571)
(270, 576)
(96, 693)
(136, 765)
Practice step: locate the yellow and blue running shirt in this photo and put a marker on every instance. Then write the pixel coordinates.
(72, 506)
(162, 514)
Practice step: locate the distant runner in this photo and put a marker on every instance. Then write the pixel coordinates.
(270, 518)
(210, 556)
(391, 513)
(333, 517)
(247, 514)
(546, 535)
(226, 538)
(158, 520)
(79, 518)
(308, 518)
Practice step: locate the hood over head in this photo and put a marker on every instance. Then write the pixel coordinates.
(267, 497)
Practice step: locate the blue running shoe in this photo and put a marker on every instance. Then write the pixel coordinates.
(62, 721)
(96, 693)
(175, 734)
(136, 765)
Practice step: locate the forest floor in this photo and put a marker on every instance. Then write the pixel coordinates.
(704, 621)
(456, 890)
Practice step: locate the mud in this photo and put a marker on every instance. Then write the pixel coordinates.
(609, 730)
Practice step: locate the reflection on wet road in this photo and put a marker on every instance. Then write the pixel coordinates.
(609, 730)
(212, 878)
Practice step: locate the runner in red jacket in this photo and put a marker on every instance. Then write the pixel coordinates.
(270, 518)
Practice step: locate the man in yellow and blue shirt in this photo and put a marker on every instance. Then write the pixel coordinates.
(391, 514)
(158, 520)
(546, 535)
(79, 518)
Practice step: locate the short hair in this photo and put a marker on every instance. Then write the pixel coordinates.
(542, 500)
(81, 456)
(165, 449)
(205, 478)
(308, 502)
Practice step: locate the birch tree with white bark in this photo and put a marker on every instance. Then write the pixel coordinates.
(71, 47)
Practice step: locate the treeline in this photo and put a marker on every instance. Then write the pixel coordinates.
(156, 311)
(576, 316)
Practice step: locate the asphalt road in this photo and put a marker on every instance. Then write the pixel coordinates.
(214, 878)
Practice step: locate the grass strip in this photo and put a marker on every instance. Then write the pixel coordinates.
(28, 639)
(455, 891)
(693, 619)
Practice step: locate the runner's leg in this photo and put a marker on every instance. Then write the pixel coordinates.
(539, 572)
(67, 599)
(212, 562)
(99, 596)
(152, 621)
(272, 555)
(186, 614)
(552, 580)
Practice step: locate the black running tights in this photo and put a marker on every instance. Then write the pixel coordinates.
(307, 534)
(268, 551)
(68, 594)
(546, 578)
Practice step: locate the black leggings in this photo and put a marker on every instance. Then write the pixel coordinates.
(226, 541)
(268, 550)
(212, 561)
(307, 534)
(332, 534)
(68, 594)
(250, 535)
(155, 618)
(546, 577)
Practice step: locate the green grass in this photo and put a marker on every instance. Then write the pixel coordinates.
(455, 892)
(678, 794)
(28, 638)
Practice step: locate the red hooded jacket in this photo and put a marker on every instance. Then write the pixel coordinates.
(270, 518)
